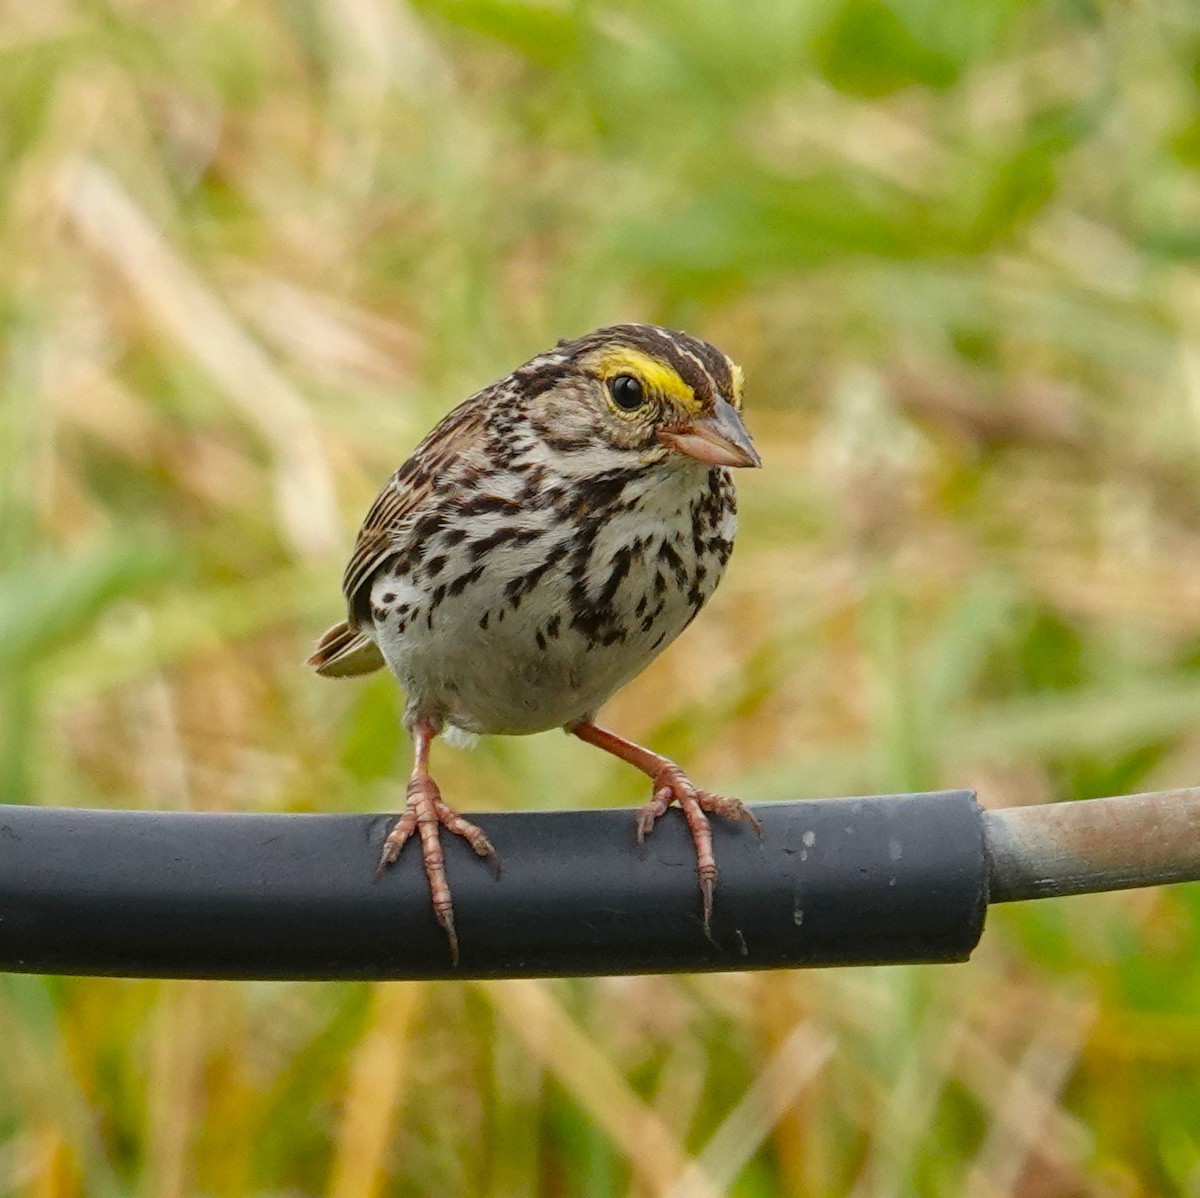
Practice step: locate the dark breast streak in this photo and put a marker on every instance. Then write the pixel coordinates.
(662, 559)
(553, 545)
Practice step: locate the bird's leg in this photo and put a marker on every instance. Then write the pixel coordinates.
(670, 785)
(426, 814)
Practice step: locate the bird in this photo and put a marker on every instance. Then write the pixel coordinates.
(541, 546)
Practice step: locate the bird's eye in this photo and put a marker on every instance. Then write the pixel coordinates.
(627, 392)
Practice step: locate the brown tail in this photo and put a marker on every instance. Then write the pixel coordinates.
(343, 652)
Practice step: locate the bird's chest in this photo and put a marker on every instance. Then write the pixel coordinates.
(535, 623)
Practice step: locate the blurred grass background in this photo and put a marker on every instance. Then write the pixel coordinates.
(249, 252)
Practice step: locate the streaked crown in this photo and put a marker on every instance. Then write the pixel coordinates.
(688, 370)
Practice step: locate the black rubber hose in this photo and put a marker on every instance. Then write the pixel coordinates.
(155, 894)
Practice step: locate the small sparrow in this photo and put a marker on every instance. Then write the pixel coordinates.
(543, 544)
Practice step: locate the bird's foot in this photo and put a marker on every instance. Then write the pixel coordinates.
(672, 785)
(426, 815)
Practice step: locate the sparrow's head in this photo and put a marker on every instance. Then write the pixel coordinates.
(651, 391)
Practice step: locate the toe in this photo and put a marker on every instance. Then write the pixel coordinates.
(402, 829)
(652, 811)
(471, 833)
(728, 808)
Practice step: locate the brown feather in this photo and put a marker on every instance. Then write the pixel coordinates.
(344, 653)
(384, 529)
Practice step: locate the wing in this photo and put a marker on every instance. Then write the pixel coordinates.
(389, 525)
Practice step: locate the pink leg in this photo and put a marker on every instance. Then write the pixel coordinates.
(672, 785)
(426, 814)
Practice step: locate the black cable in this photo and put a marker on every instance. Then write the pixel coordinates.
(832, 882)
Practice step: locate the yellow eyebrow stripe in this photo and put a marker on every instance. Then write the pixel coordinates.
(739, 380)
(654, 373)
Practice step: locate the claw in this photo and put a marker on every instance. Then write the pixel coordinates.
(742, 812)
(446, 919)
(657, 807)
(493, 858)
(708, 884)
(671, 784)
(401, 831)
(427, 814)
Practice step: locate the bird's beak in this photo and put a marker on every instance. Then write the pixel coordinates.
(719, 439)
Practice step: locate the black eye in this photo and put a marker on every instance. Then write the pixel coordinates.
(627, 392)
